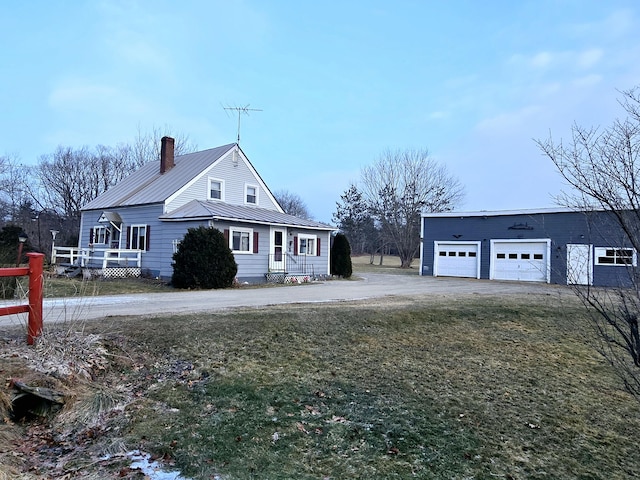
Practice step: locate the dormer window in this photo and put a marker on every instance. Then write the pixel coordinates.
(251, 194)
(216, 189)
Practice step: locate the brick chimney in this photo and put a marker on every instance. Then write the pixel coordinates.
(166, 154)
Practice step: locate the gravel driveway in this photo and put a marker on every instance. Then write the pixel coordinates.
(371, 285)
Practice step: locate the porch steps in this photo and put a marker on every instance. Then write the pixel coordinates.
(68, 270)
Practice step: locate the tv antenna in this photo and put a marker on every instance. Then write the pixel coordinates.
(240, 111)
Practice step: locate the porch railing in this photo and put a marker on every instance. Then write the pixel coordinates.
(96, 257)
(70, 255)
(291, 264)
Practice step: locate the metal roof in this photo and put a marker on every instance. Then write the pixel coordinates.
(212, 210)
(497, 213)
(147, 185)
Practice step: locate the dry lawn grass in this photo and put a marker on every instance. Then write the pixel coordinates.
(479, 387)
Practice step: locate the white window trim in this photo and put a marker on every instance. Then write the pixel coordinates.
(232, 230)
(601, 252)
(222, 189)
(246, 193)
(130, 243)
(96, 235)
(308, 237)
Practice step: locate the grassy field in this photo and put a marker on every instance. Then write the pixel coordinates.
(406, 388)
(390, 264)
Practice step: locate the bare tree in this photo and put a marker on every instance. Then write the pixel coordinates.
(146, 145)
(398, 187)
(292, 204)
(602, 166)
(14, 180)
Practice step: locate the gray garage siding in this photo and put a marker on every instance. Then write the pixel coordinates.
(597, 228)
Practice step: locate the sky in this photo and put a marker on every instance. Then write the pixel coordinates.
(334, 84)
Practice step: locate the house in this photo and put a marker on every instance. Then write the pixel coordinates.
(135, 227)
(560, 246)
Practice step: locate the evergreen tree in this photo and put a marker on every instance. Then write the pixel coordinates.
(341, 256)
(203, 260)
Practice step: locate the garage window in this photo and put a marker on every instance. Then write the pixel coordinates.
(525, 256)
(513, 256)
(472, 254)
(537, 256)
(615, 256)
(501, 256)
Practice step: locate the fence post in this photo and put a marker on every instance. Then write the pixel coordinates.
(36, 280)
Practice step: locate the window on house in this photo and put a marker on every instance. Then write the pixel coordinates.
(307, 245)
(138, 237)
(100, 235)
(216, 189)
(241, 240)
(251, 194)
(105, 235)
(175, 243)
(615, 256)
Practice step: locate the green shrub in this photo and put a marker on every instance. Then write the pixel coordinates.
(341, 256)
(203, 260)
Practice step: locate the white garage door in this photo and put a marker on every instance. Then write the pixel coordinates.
(520, 260)
(457, 259)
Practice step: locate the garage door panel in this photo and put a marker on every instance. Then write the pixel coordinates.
(456, 260)
(523, 261)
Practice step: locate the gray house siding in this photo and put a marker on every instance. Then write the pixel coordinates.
(315, 264)
(141, 215)
(234, 174)
(598, 229)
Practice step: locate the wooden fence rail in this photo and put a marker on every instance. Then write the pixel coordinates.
(34, 307)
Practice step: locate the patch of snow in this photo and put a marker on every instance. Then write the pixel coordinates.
(151, 468)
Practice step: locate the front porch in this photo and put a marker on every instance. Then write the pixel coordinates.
(97, 262)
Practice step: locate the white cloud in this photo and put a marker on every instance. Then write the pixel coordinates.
(438, 115)
(589, 58)
(79, 95)
(541, 60)
(587, 81)
(507, 121)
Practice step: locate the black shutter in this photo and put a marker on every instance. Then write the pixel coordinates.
(147, 237)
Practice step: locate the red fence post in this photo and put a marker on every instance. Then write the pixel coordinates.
(36, 281)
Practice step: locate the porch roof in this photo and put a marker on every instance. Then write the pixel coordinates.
(201, 210)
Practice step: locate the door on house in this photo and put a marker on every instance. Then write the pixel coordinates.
(579, 264)
(277, 256)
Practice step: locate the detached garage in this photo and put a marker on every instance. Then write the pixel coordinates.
(548, 245)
